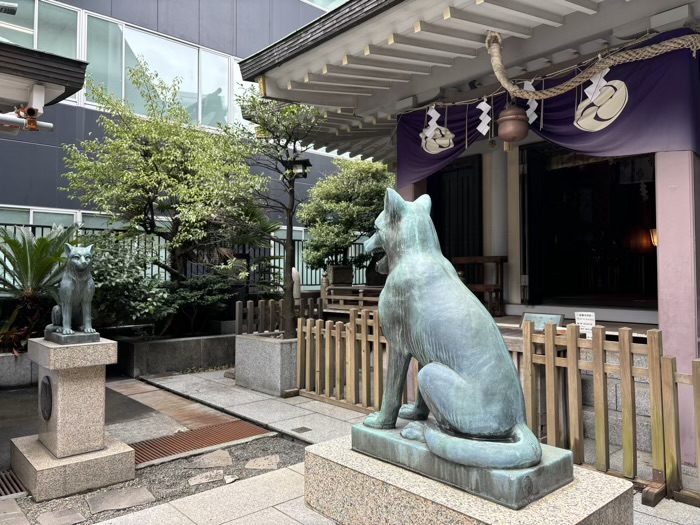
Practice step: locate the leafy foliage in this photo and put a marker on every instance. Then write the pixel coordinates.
(281, 136)
(30, 269)
(342, 209)
(162, 174)
(123, 292)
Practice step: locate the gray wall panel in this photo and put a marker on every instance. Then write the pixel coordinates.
(217, 25)
(252, 26)
(308, 13)
(142, 13)
(284, 20)
(179, 18)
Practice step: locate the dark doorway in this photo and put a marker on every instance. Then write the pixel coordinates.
(586, 228)
(457, 209)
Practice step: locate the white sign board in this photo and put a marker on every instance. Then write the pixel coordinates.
(585, 322)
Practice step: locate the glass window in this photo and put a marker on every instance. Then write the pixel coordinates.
(14, 216)
(101, 222)
(45, 218)
(214, 74)
(57, 30)
(170, 59)
(19, 28)
(328, 5)
(104, 54)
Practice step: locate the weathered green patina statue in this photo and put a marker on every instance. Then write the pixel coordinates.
(468, 381)
(73, 313)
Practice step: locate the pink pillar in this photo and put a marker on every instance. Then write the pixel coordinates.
(678, 225)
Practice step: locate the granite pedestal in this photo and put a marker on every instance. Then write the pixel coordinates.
(348, 487)
(266, 364)
(71, 417)
(512, 488)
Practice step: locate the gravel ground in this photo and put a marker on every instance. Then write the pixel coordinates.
(168, 481)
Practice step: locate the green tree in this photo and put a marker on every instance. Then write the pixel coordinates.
(342, 209)
(162, 174)
(281, 137)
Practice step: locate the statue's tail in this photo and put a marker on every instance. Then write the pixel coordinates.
(522, 451)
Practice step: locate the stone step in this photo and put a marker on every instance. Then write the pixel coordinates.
(615, 428)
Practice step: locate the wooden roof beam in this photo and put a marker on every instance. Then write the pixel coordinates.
(322, 88)
(416, 69)
(341, 71)
(583, 6)
(442, 47)
(467, 38)
(490, 24)
(422, 58)
(346, 81)
(524, 11)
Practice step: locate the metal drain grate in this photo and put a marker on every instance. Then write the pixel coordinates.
(159, 448)
(10, 485)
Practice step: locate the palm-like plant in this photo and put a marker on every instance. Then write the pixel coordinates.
(30, 266)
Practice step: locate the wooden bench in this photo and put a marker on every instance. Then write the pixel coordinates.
(340, 299)
(493, 292)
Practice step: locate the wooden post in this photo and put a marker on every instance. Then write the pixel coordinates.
(655, 351)
(529, 383)
(310, 307)
(262, 312)
(378, 385)
(696, 404)
(339, 360)
(550, 354)
(319, 308)
(250, 317)
(629, 415)
(575, 397)
(329, 374)
(352, 390)
(309, 360)
(239, 318)
(301, 355)
(366, 362)
(271, 316)
(319, 349)
(672, 443)
(600, 401)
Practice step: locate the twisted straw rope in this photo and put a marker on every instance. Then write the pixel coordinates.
(494, 40)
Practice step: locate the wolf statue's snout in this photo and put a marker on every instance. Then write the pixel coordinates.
(373, 243)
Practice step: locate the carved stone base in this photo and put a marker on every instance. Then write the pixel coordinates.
(71, 339)
(350, 488)
(513, 488)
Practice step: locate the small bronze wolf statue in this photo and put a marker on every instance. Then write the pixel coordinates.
(74, 308)
(468, 381)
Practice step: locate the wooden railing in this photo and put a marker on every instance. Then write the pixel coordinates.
(265, 315)
(345, 298)
(344, 363)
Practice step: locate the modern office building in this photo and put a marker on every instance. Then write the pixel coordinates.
(200, 41)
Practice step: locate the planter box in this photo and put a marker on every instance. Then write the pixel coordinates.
(266, 364)
(17, 371)
(139, 358)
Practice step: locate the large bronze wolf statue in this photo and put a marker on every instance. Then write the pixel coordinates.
(468, 381)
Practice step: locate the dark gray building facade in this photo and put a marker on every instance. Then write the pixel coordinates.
(200, 41)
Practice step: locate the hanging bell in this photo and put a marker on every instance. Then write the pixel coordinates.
(512, 124)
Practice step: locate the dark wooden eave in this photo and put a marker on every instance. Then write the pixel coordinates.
(41, 67)
(313, 34)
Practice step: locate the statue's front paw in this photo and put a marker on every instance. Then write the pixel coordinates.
(66, 331)
(377, 420)
(413, 413)
(90, 330)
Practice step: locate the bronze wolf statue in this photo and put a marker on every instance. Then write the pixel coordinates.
(468, 381)
(74, 308)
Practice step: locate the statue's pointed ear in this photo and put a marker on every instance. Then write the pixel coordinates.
(91, 249)
(393, 203)
(424, 201)
(67, 248)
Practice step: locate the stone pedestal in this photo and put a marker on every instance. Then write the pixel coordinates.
(349, 487)
(71, 440)
(266, 364)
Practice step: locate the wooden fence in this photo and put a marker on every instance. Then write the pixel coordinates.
(265, 315)
(344, 364)
(345, 298)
